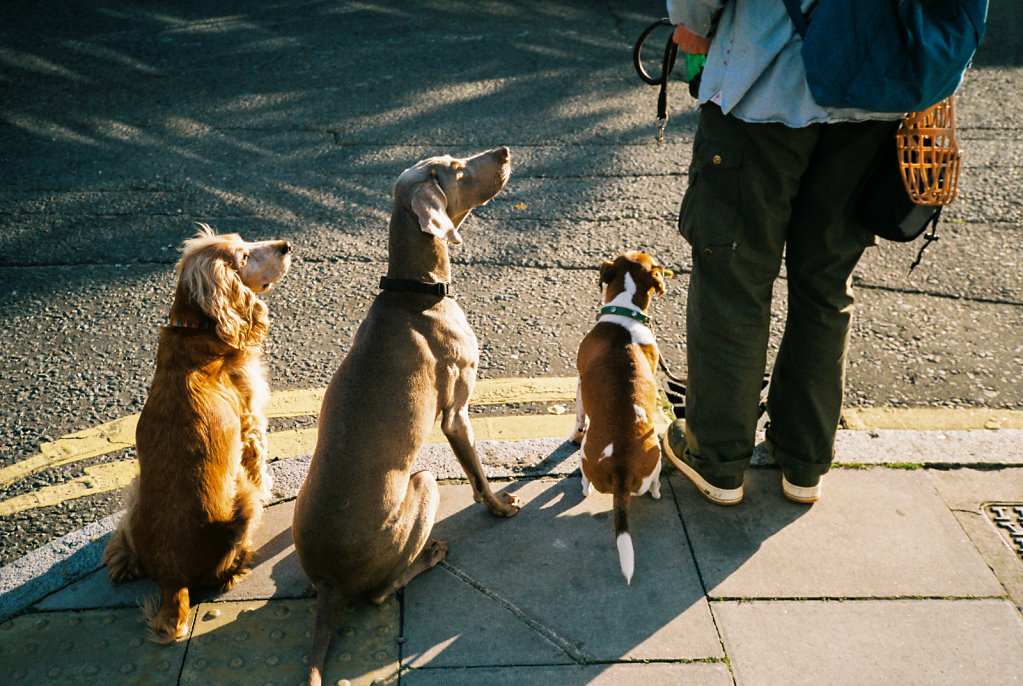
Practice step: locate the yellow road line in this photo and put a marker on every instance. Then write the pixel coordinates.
(291, 443)
(283, 445)
(100, 478)
(931, 419)
(81, 445)
(297, 403)
(294, 442)
(120, 433)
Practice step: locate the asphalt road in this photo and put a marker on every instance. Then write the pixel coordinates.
(122, 124)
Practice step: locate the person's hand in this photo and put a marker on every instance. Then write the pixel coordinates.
(690, 42)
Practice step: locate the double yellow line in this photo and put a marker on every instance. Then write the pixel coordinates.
(120, 434)
(556, 422)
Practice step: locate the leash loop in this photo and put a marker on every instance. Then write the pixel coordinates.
(667, 64)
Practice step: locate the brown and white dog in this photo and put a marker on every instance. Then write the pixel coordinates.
(201, 437)
(616, 399)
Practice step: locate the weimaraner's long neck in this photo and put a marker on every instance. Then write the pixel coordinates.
(413, 254)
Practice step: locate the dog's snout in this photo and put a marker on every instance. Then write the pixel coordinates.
(285, 247)
(503, 154)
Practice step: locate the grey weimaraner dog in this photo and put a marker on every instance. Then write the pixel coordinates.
(362, 523)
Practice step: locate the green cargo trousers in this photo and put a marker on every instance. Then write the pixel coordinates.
(758, 193)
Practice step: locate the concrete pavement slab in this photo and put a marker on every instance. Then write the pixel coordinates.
(93, 647)
(554, 567)
(275, 574)
(652, 674)
(858, 643)
(267, 642)
(874, 533)
(966, 491)
(454, 624)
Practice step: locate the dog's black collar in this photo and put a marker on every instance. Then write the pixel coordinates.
(441, 288)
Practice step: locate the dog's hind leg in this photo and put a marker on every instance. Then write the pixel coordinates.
(237, 534)
(235, 569)
(419, 552)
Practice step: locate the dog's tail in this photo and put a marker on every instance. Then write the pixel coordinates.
(167, 621)
(326, 611)
(622, 537)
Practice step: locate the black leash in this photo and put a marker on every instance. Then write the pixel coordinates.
(667, 64)
(667, 372)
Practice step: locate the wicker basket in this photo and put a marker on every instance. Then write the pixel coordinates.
(929, 156)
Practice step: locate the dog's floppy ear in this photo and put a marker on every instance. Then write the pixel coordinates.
(607, 273)
(207, 273)
(660, 274)
(430, 205)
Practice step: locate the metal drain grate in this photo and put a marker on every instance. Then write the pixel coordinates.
(1008, 518)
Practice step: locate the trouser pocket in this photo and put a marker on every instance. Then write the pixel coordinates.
(709, 218)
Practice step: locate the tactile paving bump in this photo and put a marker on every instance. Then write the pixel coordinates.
(92, 647)
(267, 642)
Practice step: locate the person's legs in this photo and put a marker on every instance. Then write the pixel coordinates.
(734, 215)
(824, 243)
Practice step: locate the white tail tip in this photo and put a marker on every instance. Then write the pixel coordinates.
(625, 556)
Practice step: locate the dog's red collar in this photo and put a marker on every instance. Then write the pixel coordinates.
(181, 324)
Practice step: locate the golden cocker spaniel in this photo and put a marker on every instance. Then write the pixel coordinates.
(201, 437)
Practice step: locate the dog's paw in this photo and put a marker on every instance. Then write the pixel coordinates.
(506, 505)
(435, 551)
(577, 436)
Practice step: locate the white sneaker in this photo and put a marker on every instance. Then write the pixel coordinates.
(718, 496)
(801, 494)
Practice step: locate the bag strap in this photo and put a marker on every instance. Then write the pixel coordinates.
(796, 14)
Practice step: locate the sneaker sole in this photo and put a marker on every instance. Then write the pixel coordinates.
(718, 496)
(800, 494)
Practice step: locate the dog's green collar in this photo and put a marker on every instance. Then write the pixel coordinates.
(624, 312)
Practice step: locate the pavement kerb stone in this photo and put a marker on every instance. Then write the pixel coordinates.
(69, 558)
